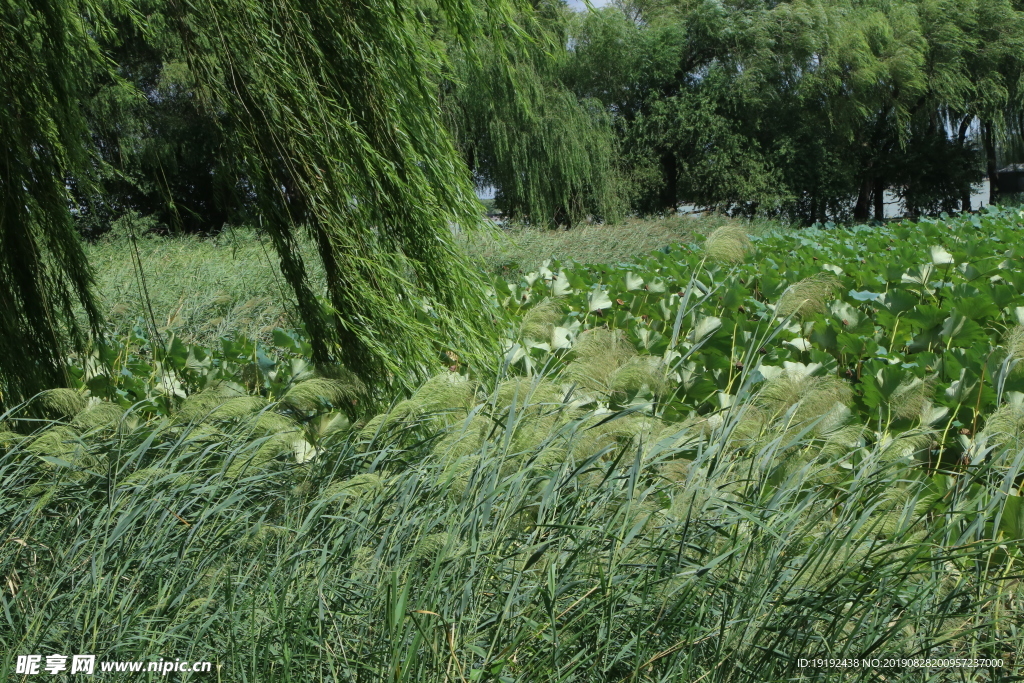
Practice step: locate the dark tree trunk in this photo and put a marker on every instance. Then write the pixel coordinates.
(961, 138)
(862, 210)
(561, 218)
(670, 190)
(879, 194)
(990, 162)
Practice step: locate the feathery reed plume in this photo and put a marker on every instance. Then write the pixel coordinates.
(911, 396)
(316, 393)
(59, 403)
(808, 295)
(540, 320)
(728, 244)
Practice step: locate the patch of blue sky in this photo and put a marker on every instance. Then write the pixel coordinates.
(580, 5)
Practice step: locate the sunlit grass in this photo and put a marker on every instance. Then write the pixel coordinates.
(198, 288)
(203, 288)
(518, 249)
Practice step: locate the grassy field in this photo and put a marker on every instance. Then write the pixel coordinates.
(518, 250)
(707, 451)
(198, 288)
(202, 288)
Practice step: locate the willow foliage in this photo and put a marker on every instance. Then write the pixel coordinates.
(334, 127)
(46, 50)
(337, 128)
(550, 154)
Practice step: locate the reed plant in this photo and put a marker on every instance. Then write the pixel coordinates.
(510, 532)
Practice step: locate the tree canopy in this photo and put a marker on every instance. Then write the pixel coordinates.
(807, 108)
(550, 154)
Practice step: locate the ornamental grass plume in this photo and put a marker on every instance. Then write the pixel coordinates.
(268, 423)
(902, 447)
(434, 547)
(56, 403)
(600, 353)
(527, 392)
(911, 396)
(312, 394)
(639, 372)
(1014, 343)
(98, 415)
(463, 439)
(539, 322)
(58, 440)
(200, 405)
(841, 440)
(817, 396)
(728, 244)
(808, 295)
(632, 432)
(442, 399)
(346, 491)
(1005, 426)
(239, 406)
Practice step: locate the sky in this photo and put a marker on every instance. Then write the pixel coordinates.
(579, 4)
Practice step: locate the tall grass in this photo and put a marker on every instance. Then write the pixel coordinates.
(510, 533)
(504, 528)
(518, 249)
(202, 288)
(197, 288)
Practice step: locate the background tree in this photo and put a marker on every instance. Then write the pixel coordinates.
(704, 96)
(806, 109)
(159, 148)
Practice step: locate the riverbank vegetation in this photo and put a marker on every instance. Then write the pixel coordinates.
(733, 452)
(275, 393)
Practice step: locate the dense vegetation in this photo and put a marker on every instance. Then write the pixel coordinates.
(329, 125)
(809, 109)
(366, 127)
(405, 447)
(806, 109)
(734, 452)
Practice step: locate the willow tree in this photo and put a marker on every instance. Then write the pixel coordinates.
(336, 124)
(335, 127)
(47, 52)
(994, 66)
(703, 94)
(549, 154)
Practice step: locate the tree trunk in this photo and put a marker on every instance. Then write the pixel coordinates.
(990, 161)
(670, 190)
(879, 194)
(863, 207)
(961, 137)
